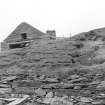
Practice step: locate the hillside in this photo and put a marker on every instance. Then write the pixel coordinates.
(78, 62)
(83, 50)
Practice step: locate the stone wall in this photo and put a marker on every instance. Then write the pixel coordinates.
(4, 46)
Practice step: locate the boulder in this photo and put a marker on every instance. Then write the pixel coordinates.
(49, 95)
(40, 92)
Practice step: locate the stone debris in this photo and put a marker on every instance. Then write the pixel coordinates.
(85, 99)
(61, 102)
(57, 101)
(42, 77)
(2, 85)
(98, 102)
(74, 76)
(78, 80)
(65, 97)
(9, 79)
(95, 82)
(19, 101)
(5, 90)
(77, 87)
(101, 85)
(50, 80)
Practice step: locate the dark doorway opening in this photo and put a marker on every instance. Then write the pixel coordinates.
(24, 35)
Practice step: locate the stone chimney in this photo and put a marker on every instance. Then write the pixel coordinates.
(51, 33)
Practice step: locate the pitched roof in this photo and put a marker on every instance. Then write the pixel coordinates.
(25, 27)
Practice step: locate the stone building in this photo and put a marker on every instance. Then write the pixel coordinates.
(22, 36)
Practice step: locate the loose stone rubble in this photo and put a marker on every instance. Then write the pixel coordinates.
(68, 71)
(66, 94)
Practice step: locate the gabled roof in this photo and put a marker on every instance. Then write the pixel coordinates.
(23, 27)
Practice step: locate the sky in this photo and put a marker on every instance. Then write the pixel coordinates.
(67, 17)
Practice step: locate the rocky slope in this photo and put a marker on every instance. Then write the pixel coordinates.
(75, 66)
(84, 50)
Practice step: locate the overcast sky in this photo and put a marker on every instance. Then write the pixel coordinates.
(65, 16)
